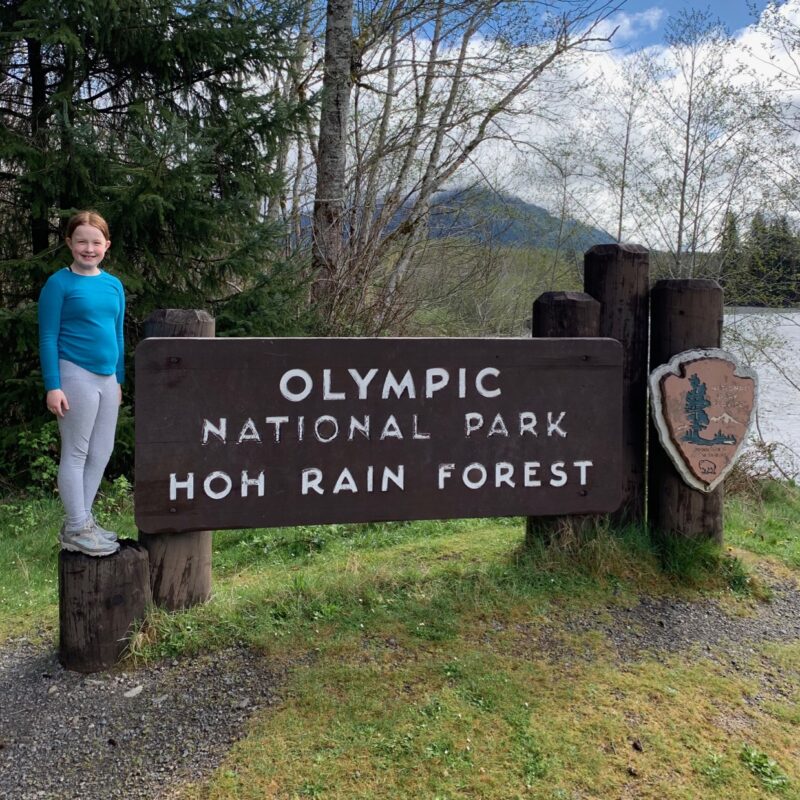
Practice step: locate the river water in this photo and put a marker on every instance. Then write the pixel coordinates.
(769, 341)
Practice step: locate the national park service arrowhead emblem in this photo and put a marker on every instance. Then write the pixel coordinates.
(703, 404)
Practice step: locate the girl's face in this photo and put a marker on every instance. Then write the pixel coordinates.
(88, 246)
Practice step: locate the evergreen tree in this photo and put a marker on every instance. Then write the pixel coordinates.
(755, 290)
(731, 265)
(771, 259)
(784, 262)
(696, 405)
(162, 116)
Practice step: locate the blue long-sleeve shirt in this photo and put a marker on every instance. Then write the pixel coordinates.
(80, 320)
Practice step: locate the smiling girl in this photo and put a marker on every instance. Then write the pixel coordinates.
(81, 309)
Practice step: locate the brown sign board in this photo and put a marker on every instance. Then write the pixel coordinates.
(236, 433)
(703, 404)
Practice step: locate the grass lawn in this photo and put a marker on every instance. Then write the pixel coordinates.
(436, 659)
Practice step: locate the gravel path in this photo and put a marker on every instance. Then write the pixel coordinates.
(66, 736)
(660, 626)
(141, 733)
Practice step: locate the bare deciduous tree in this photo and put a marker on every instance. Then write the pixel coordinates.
(432, 81)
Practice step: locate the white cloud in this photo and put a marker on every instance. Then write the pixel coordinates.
(629, 27)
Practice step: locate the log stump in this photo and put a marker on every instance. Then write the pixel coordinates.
(99, 601)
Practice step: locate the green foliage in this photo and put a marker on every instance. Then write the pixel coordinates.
(715, 770)
(166, 117)
(764, 768)
(40, 449)
(17, 519)
(764, 270)
(115, 498)
(462, 288)
(693, 562)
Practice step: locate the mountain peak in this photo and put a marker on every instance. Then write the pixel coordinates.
(482, 215)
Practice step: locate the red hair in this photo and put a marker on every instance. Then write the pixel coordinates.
(88, 218)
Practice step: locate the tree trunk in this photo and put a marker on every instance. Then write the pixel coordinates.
(329, 200)
(39, 117)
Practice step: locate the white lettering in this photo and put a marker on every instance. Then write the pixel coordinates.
(473, 422)
(416, 433)
(321, 421)
(277, 422)
(217, 430)
(391, 430)
(362, 381)
(445, 471)
(249, 433)
(175, 484)
(504, 473)
(247, 482)
(311, 479)
(397, 478)
(436, 379)
(308, 385)
(583, 466)
(225, 478)
(327, 394)
(482, 390)
(405, 385)
(498, 427)
(345, 483)
(527, 423)
(557, 471)
(553, 427)
(361, 427)
(470, 484)
(529, 474)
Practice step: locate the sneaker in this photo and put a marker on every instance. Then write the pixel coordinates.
(88, 541)
(109, 536)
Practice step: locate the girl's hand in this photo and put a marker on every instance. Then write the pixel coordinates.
(57, 402)
(119, 386)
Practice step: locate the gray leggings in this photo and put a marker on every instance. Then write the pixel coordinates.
(87, 438)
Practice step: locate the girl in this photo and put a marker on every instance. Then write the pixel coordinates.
(81, 309)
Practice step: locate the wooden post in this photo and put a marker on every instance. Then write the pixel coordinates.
(685, 314)
(559, 315)
(180, 563)
(99, 600)
(618, 275)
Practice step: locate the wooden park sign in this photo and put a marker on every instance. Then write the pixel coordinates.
(264, 432)
(703, 404)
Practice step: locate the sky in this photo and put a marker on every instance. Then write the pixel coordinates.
(642, 21)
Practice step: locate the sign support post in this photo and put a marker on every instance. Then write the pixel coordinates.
(618, 276)
(180, 564)
(685, 315)
(558, 315)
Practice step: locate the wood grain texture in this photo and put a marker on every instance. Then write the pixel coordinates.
(618, 275)
(180, 568)
(558, 315)
(685, 315)
(100, 599)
